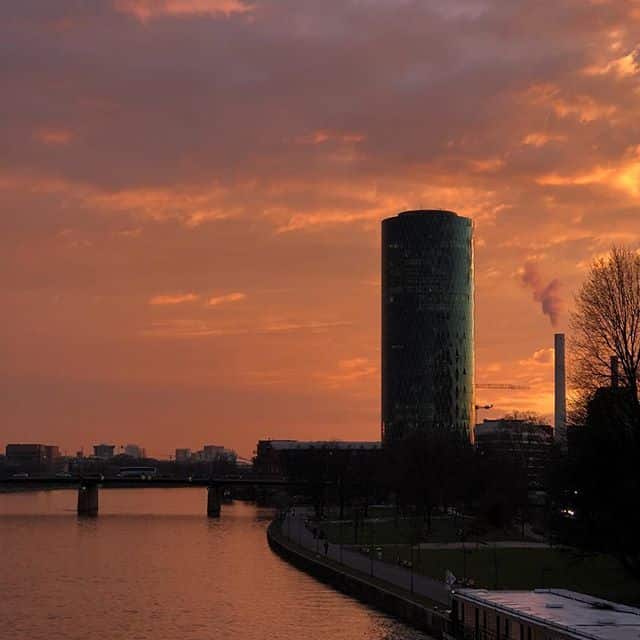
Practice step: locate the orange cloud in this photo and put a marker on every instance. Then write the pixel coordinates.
(625, 175)
(236, 296)
(186, 328)
(314, 326)
(300, 221)
(628, 176)
(135, 232)
(487, 165)
(350, 370)
(53, 136)
(191, 206)
(622, 67)
(174, 299)
(538, 139)
(584, 107)
(148, 9)
(540, 357)
(324, 135)
(597, 175)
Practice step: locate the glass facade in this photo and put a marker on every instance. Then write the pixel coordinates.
(427, 323)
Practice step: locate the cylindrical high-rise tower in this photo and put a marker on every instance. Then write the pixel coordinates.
(427, 323)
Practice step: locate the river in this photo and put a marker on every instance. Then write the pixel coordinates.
(152, 566)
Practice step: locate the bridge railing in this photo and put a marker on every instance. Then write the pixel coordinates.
(88, 486)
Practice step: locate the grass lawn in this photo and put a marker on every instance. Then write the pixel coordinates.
(490, 568)
(598, 575)
(406, 530)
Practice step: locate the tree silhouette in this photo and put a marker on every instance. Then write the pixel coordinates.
(606, 322)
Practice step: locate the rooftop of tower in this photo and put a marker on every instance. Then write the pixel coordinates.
(416, 212)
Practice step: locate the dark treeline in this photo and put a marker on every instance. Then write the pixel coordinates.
(429, 471)
(599, 481)
(601, 477)
(588, 498)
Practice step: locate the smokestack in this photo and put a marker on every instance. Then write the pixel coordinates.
(615, 378)
(560, 422)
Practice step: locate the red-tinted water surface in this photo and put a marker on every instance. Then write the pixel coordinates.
(152, 566)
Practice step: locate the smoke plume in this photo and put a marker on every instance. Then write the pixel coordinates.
(548, 295)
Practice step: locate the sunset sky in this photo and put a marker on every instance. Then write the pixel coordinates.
(191, 194)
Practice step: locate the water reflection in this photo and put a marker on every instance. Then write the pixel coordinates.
(152, 566)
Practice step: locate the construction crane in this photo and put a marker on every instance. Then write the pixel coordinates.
(502, 386)
(497, 385)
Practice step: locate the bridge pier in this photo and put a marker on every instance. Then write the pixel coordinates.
(214, 501)
(88, 499)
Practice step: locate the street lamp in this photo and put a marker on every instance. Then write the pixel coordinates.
(495, 561)
(372, 543)
(411, 562)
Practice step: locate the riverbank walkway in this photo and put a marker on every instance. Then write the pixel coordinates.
(297, 527)
(472, 544)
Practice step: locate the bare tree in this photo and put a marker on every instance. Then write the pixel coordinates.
(603, 469)
(606, 322)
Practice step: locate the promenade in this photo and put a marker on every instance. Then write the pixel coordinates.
(295, 528)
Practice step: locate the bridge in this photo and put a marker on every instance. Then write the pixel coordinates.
(88, 487)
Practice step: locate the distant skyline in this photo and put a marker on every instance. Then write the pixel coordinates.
(191, 194)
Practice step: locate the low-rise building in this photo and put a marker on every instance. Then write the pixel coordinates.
(183, 455)
(52, 453)
(273, 456)
(103, 451)
(212, 452)
(134, 451)
(25, 453)
(541, 614)
(528, 443)
(31, 454)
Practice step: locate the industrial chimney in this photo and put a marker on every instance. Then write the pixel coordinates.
(560, 421)
(615, 375)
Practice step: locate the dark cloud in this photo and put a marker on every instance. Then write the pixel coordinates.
(226, 97)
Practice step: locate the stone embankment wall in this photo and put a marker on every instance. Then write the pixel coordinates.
(414, 611)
